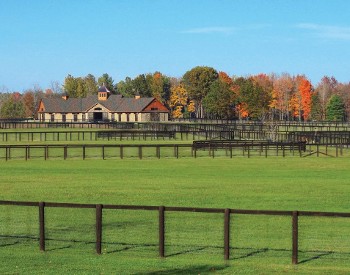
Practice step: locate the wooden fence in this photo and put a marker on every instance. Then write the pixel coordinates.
(76, 135)
(193, 124)
(197, 149)
(161, 220)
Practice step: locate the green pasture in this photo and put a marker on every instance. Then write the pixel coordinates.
(148, 150)
(194, 241)
(80, 135)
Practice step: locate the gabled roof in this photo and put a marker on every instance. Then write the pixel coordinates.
(114, 103)
(103, 89)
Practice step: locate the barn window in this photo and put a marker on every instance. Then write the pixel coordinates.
(154, 109)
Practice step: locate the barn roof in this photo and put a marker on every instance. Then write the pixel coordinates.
(114, 103)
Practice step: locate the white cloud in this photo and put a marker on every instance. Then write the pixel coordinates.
(327, 31)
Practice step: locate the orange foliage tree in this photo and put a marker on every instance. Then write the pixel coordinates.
(305, 91)
(179, 100)
(282, 93)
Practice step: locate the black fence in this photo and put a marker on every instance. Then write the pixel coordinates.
(162, 210)
(197, 149)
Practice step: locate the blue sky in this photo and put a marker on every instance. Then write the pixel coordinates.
(44, 41)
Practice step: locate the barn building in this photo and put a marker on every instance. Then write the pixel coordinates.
(102, 107)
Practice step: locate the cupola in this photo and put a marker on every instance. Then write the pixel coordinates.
(103, 93)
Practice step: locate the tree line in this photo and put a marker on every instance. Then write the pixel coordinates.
(203, 92)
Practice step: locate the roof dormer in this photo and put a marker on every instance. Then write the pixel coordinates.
(103, 93)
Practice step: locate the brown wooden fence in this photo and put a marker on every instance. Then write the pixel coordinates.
(176, 132)
(161, 220)
(197, 149)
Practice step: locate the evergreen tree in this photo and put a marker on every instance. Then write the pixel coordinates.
(108, 81)
(335, 108)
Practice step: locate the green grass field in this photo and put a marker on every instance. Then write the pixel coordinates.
(194, 241)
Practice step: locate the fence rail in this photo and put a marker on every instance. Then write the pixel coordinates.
(227, 212)
(197, 149)
(208, 132)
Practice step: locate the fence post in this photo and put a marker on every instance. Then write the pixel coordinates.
(161, 232)
(227, 234)
(98, 228)
(42, 226)
(83, 152)
(158, 152)
(46, 152)
(140, 152)
(295, 237)
(65, 152)
(121, 151)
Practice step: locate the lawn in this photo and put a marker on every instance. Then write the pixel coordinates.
(194, 241)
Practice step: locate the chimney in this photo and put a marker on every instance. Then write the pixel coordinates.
(65, 96)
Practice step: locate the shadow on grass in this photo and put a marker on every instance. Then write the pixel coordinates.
(250, 254)
(189, 270)
(20, 239)
(58, 248)
(187, 251)
(9, 244)
(318, 256)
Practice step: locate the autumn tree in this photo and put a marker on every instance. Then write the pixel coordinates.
(253, 98)
(344, 92)
(4, 96)
(220, 100)
(218, 103)
(325, 89)
(178, 101)
(28, 103)
(283, 89)
(197, 82)
(13, 107)
(316, 112)
(305, 92)
(300, 101)
(266, 83)
(160, 87)
(56, 87)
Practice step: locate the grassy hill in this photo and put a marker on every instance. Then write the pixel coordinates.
(194, 241)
